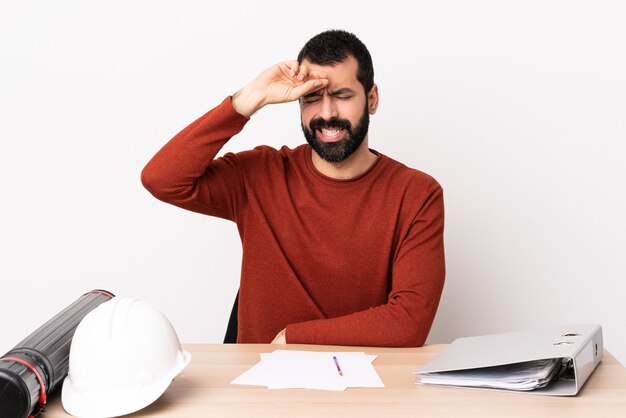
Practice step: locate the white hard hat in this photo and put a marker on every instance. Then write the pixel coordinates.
(124, 355)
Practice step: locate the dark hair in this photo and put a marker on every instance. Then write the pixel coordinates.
(334, 46)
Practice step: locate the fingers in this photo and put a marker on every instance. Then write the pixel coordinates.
(289, 68)
(305, 79)
(290, 80)
(308, 87)
(299, 72)
(294, 67)
(294, 70)
(280, 338)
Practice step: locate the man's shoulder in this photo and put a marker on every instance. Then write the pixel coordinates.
(407, 175)
(265, 157)
(283, 152)
(270, 153)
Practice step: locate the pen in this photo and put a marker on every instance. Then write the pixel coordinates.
(337, 364)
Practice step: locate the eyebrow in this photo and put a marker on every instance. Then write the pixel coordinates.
(343, 90)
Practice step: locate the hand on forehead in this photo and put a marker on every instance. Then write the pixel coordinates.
(341, 76)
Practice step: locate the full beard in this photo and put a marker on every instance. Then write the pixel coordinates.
(336, 152)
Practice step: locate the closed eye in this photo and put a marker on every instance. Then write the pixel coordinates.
(311, 98)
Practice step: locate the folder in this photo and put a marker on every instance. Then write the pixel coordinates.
(578, 347)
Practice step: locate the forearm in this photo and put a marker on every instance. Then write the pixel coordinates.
(404, 321)
(171, 175)
(417, 279)
(399, 323)
(248, 100)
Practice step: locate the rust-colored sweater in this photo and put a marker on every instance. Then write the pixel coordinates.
(347, 262)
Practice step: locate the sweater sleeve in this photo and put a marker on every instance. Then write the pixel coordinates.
(405, 320)
(185, 172)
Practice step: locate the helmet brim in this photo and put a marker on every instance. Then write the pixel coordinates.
(117, 400)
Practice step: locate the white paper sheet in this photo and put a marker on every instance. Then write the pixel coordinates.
(286, 369)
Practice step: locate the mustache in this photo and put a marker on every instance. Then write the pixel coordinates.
(319, 123)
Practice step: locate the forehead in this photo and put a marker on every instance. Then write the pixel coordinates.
(341, 74)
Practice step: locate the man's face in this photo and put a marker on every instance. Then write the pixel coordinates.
(335, 119)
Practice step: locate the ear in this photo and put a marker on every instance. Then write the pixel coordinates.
(372, 100)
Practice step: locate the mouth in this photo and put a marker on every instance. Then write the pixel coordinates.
(330, 134)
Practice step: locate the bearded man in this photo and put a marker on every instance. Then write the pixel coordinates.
(341, 244)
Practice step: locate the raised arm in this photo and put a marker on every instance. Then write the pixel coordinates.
(185, 172)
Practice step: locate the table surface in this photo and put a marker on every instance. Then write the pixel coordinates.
(204, 390)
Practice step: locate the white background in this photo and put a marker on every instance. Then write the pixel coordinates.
(516, 107)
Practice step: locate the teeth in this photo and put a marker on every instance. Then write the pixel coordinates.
(329, 132)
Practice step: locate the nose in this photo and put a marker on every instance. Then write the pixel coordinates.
(328, 110)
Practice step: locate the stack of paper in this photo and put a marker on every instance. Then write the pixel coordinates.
(284, 369)
(527, 375)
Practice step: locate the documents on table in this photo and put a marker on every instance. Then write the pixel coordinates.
(285, 369)
(549, 361)
(527, 375)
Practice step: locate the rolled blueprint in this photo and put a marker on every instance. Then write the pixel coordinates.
(38, 364)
